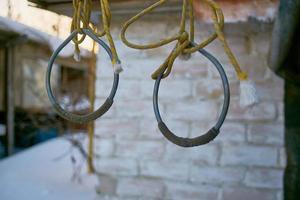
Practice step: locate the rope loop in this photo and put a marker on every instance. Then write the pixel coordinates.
(184, 38)
(82, 20)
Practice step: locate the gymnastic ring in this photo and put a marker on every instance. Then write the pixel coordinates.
(109, 101)
(213, 132)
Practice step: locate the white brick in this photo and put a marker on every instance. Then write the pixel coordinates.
(204, 155)
(166, 170)
(264, 178)
(232, 132)
(236, 193)
(276, 88)
(190, 69)
(117, 166)
(149, 129)
(219, 175)
(128, 89)
(103, 88)
(264, 111)
(121, 128)
(208, 89)
(139, 68)
(282, 158)
(140, 149)
(178, 127)
(266, 134)
(248, 155)
(169, 89)
(201, 127)
(104, 147)
(193, 110)
(134, 108)
(179, 191)
(139, 187)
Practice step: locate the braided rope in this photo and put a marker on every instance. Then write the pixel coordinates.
(82, 20)
(183, 38)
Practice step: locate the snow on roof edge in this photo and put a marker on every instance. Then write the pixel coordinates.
(35, 35)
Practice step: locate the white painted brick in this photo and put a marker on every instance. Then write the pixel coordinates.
(264, 111)
(140, 149)
(266, 134)
(140, 187)
(201, 127)
(209, 89)
(178, 127)
(282, 158)
(193, 110)
(276, 88)
(232, 132)
(121, 128)
(128, 89)
(280, 196)
(264, 178)
(249, 155)
(237, 193)
(166, 170)
(140, 68)
(149, 129)
(169, 89)
(117, 166)
(104, 66)
(134, 108)
(281, 111)
(190, 69)
(261, 43)
(204, 155)
(104, 147)
(216, 175)
(103, 87)
(179, 191)
(255, 65)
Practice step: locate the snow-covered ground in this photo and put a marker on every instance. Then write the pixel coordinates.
(42, 173)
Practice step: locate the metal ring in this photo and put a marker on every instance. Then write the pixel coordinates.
(213, 132)
(109, 101)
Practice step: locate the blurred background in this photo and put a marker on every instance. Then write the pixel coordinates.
(130, 157)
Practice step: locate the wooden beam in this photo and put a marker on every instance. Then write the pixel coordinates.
(9, 96)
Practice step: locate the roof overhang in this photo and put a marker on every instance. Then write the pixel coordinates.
(234, 10)
(12, 29)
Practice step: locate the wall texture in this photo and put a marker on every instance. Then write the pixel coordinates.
(245, 162)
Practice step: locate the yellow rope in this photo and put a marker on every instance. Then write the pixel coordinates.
(82, 20)
(184, 38)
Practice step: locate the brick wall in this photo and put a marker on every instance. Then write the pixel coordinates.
(245, 162)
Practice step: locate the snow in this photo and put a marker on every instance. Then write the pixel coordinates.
(35, 35)
(37, 174)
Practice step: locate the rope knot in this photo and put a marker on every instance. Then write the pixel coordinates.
(184, 40)
(183, 37)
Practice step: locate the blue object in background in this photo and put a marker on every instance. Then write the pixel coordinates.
(43, 135)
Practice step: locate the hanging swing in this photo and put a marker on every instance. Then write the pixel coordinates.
(184, 47)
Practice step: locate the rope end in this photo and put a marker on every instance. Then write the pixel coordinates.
(117, 67)
(77, 56)
(248, 94)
